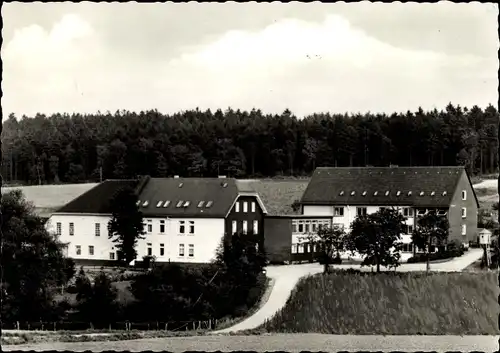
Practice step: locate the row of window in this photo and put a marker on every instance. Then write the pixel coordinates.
(245, 227)
(306, 226)
(245, 206)
(149, 250)
(303, 248)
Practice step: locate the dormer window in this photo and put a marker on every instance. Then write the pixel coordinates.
(179, 204)
(166, 204)
(444, 193)
(398, 193)
(209, 204)
(181, 184)
(409, 193)
(145, 204)
(138, 202)
(224, 185)
(186, 204)
(159, 203)
(375, 193)
(352, 193)
(200, 204)
(387, 193)
(341, 193)
(364, 193)
(421, 193)
(433, 193)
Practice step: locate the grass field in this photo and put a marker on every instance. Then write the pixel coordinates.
(392, 304)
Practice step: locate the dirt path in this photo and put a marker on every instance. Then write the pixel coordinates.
(282, 342)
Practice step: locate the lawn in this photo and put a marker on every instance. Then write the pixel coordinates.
(391, 304)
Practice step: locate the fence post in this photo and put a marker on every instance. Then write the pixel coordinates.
(17, 324)
(54, 325)
(157, 326)
(110, 327)
(166, 326)
(28, 326)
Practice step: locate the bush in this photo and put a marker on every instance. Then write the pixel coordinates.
(395, 303)
(324, 258)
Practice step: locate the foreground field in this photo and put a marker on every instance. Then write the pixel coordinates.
(392, 304)
(283, 342)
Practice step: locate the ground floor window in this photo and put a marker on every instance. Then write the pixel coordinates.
(301, 248)
(294, 248)
(407, 247)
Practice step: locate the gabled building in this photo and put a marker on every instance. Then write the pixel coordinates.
(185, 219)
(336, 196)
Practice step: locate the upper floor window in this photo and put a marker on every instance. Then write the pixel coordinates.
(162, 249)
(361, 211)
(78, 249)
(234, 226)
(182, 227)
(58, 228)
(162, 226)
(464, 195)
(408, 212)
(191, 227)
(237, 207)
(338, 211)
(98, 229)
(245, 207)
(464, 229)
(191, 250)
(71, 228)
(464, 212)
(150, 226)
(181, 249)
(255, 227)
(253, 206)
(245, 227)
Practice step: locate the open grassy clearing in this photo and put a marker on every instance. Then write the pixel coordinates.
(392, 304)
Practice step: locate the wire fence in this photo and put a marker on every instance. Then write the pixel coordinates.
(122, 325)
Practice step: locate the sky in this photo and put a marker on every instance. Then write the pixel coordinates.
(309, 58)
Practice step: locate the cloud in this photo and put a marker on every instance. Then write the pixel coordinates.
(307, 67)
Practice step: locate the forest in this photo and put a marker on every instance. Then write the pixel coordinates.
(64, 148)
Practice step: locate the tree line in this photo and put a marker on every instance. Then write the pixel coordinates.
(77, 148)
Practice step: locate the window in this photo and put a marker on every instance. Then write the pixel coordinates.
(353, 192)
(187, 203)
(255, 227)
(301, 227)
(421, 211)
(307, 227)
(91, 250)
(179, 204)
(364, 193)
(58, 228)
(200, 204)
(464, 212)
(464, 229)
(398, 193)
(145, 204)
(98, 229)
(237, 207)
(361, 211)
(191, 250)
(301, 248)
(159, 203)
(181, 249)
(407, 229)
(338, 211)
(464, 195)
(71, 229)
(294, 248)
(253, 206)
(341, 193)
(245, 207)
(375, 193)
(234, 227)
(245, 226)
(111, 255)
(162, 249)
(182, 227)
(338, 225)
(78, 250)
(162, 226)
(387, 193)
(209, 204)
(408, 212)
(166, 204)
(150, 249)
(314, 226)
(294, 226)
(191, 227)
(150, 226)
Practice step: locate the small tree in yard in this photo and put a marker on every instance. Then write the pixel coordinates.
(330, 241)
(377, 236)
(431, 229)
(126, 225)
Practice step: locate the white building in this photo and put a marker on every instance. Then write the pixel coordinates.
(185, 219)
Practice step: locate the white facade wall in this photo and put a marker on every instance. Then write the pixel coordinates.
(350, 214)
(207, 236)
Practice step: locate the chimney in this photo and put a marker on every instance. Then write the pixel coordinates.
(176, 177)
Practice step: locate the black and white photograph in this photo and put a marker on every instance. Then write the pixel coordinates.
(250, 176)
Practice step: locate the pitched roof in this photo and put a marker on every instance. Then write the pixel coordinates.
(216, 194)
(98, 199)
(417, 186)
(278, 196)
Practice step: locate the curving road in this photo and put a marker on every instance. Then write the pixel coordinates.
(285, 278)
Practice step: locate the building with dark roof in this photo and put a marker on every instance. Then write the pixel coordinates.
(338, 195)
(185, 218)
